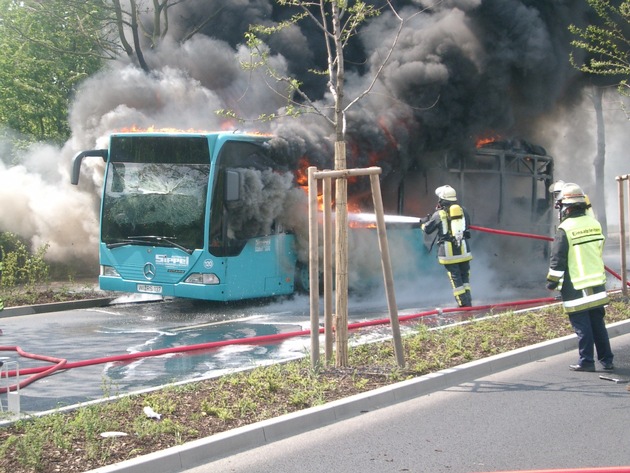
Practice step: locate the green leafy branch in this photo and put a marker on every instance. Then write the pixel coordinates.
(607, 46)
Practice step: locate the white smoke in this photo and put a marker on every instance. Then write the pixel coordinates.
(38, 204)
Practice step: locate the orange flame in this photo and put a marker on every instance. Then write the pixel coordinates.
(154, 129)
(482, 141)
(301, 173)
(301, 178)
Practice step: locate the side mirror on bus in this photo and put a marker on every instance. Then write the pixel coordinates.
(232, 185)
(76, 163)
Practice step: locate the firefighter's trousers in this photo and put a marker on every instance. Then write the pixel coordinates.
(459, 275)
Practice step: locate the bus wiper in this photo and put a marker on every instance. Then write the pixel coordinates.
(122, 243)
(144, 239)
(128, 241)
(161, 239)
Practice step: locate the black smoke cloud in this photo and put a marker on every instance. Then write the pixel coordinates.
(461, 69)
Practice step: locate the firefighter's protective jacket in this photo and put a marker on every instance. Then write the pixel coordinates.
(576, 266)
(452, 222)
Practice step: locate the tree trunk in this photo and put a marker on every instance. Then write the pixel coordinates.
(341, 257)
(136, 37)
(599, 202)
(341, 196)
(121, 29)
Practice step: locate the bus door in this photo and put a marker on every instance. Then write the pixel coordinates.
(260, 256)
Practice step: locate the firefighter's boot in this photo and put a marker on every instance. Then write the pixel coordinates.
(465, 299)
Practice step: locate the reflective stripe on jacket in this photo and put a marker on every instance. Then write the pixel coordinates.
(454, 250)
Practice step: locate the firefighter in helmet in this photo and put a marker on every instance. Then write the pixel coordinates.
(576, 269)
(451, 222)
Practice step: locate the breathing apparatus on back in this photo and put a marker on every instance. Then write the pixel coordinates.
(452, 213)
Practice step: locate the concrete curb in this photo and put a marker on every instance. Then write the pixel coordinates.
(196, 453)
(55, 307)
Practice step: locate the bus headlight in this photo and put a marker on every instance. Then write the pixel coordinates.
(109, 271)
(202, 278)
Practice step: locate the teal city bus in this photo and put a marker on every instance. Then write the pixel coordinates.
(221, 216)
(173, 221)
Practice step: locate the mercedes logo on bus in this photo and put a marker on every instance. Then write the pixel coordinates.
(149, 271)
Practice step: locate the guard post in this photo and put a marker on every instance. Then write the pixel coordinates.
(12, 391)
(327, 176)
(622, 228)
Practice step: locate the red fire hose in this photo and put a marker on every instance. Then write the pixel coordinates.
(537, 237)
(605, 469)
(505, 232)
(60, 363)
(39, 372)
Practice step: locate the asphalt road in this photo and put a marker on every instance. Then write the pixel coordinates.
(87, 333)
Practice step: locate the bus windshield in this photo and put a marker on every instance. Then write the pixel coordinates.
(155, 192)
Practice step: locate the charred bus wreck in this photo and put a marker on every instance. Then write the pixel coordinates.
(503, 184)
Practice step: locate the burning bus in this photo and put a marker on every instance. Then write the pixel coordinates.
(505, 186)
(505, 183)
(219, 216)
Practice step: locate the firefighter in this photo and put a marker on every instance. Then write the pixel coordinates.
(576, 269)
(451, 222)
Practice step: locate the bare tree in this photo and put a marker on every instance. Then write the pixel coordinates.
(142, 20)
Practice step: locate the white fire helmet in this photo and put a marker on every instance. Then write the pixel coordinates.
(446, 193)
(555, 189)
(571, 193)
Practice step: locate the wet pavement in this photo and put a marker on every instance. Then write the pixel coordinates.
(91, 339)
(83, 335)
